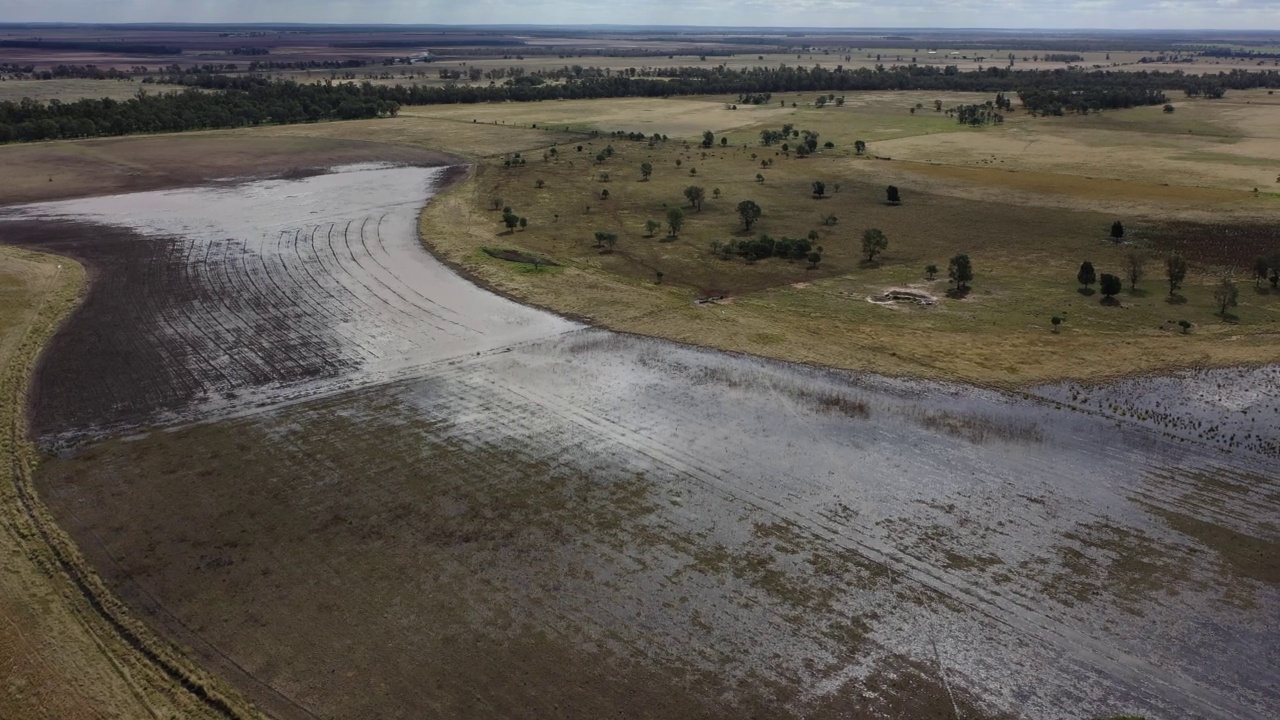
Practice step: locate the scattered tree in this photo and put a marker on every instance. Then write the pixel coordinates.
(1168, 108)
(960, 270)
(930, 271)
(1087, 276)
(510, 219)
(1175, 269)
(496, 202)
(1111, 285)
(604, 194)
(759, 178)
(1117, 231)
(1225, 293)
(859, 147)
(695, 194)
(715, 193)
(892, 193)
(524, 223)
(675, 220)
(819, 188)
(829, 220)
(651, 227)
(708, 138)
(646, 170)
(539, 183)
(659, 274)
(1259, 270)
(600, 157)
(1057, 321)
(814, 258)
(873, 241)
(1135, 266)
(750, 212)
(606, 240)
(1185, 325)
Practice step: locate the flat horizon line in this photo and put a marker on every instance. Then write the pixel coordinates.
(758, 29)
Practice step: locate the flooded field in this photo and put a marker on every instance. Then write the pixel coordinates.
(359, 486)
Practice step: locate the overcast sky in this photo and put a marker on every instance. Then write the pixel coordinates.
(1118, 14)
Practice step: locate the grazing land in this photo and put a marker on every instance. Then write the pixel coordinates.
(293, 456)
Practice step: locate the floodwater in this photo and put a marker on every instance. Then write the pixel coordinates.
(1068, 552)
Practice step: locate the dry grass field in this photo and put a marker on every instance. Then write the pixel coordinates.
(1027, 229)
(72, 89)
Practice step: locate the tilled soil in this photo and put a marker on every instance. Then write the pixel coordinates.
(515, 516)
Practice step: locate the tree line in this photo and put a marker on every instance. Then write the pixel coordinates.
(216, 100)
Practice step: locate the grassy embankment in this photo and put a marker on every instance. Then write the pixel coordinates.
(68, 649)
(1025, 253)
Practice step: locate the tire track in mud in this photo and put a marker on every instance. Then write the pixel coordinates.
(397, 316)
(1141, 676)
(407, 287)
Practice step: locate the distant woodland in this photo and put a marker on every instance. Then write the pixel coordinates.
(216, 100)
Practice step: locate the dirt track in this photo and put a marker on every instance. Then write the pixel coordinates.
(492, 512)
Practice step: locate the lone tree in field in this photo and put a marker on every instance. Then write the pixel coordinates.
(1056, 320)
(651, 227)
(759, 178)
(859, 147)
(1111, 285)
(708, 138)
(695, 195)
(496, 202)
(960, 270)
(1117, 231)
(750, 212)
(930, 271)
(1225, 293)
(524, 223)
(819, 188)
(606, 240)
(1175, 270)
(510, 219)
(646, 170)
(1185, 325)
(814, 259)
(1135, 267)
(1259, 270)
(873, 241)
(675, 220)
(892, 194)
(1087, 276)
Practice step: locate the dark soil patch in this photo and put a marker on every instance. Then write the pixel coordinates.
(1233, 245)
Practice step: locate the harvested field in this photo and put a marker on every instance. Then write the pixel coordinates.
(526, 518)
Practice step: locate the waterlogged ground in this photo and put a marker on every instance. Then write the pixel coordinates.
(540, 519)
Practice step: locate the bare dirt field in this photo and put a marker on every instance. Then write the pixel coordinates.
(582, 522)
(48, 171)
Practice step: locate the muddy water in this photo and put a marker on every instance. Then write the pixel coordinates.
(1071, 552)
(246, 293)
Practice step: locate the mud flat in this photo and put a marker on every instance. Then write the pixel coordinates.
(211, 298)
(378, 490)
